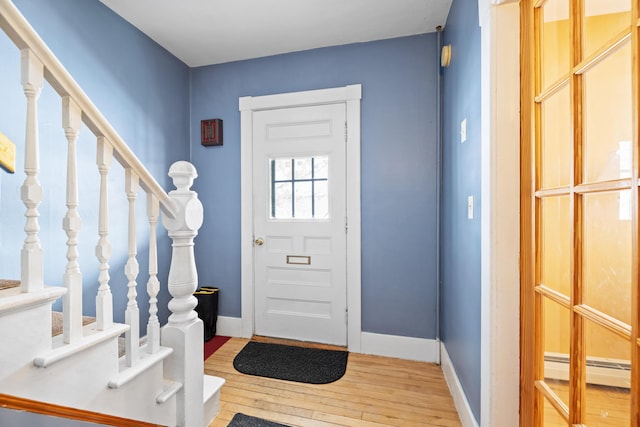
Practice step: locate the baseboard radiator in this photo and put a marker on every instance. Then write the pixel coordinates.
(600, 371)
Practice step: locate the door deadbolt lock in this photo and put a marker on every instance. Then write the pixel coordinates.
(259, 241)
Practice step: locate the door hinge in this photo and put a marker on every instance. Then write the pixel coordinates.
(346, 225)
(346, 315)
(345, 132)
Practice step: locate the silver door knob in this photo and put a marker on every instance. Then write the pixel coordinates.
(259, 241)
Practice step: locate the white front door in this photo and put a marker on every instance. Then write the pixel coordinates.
(299, 209)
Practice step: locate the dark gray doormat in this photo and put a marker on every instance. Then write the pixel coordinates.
(242, 420)
(285, 362)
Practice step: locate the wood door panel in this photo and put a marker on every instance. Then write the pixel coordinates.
(579, 285)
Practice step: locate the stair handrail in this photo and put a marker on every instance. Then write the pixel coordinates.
(13, 23)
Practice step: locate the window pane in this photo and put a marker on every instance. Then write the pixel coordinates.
(282, 169)
(556, 348)
(303, 168)
(608, 398)
(551, 417)
(556, 140)
(608, 115)
(555, 33)
(321, 167)
(607, 255)
(603, 21)
(555, 242)
(282, 199)
(303, 200)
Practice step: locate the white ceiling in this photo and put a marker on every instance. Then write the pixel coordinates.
(204, 32)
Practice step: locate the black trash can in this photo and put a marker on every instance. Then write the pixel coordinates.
(207, 309)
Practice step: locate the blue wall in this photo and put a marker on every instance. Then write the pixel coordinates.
(398, 78)
(460, 255)
(155, 102)
(142, 90)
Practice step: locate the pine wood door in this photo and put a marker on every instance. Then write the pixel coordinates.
(579, 272)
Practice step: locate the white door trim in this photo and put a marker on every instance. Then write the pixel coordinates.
(351, 96)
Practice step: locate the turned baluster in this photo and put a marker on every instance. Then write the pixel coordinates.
(72, 278)
(153, 285)
(132, 314)
(31, 261)
(104, 299)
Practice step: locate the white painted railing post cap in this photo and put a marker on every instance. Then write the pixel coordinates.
(183, 173)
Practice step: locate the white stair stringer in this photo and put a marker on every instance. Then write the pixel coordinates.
(128, 374)
(170, 390)
(211, 397)
(25, 327)
(90, 338)
(77, 375)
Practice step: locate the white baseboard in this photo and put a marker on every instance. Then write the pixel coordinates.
(229, 326)
(421, 349)
(459, 398)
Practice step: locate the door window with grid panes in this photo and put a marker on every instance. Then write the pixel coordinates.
(299, 188)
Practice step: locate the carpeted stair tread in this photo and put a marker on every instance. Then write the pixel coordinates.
(7, 284)
(56, 322)
(56, 317)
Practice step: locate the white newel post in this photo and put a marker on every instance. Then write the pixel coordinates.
(184, 331)
(32, 78)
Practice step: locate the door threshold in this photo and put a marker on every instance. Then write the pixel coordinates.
(307, 344)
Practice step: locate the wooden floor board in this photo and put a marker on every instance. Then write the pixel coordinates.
(374, 392)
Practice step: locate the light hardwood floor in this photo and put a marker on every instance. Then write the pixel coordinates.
(606, 406)
(375, 391)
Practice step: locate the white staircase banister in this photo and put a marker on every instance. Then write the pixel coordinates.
(24, 36)
(169, 369)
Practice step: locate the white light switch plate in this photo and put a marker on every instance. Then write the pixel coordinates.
(463, 131)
